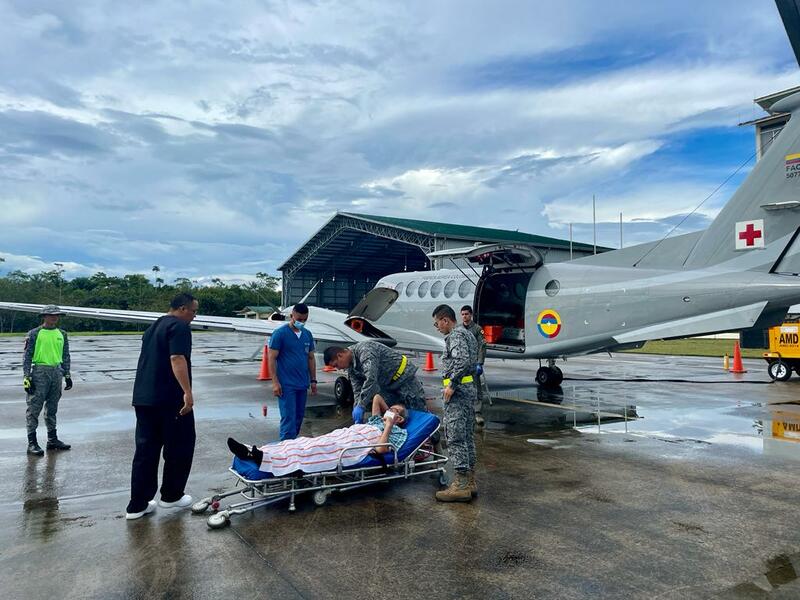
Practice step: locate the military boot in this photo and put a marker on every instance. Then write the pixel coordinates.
(458, 490)
(473, 487)
(53, 443)
(33, 445)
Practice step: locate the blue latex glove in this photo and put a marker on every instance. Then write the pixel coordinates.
(358, 414)
(479, 369)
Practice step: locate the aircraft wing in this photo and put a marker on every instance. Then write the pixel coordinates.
(414, 340)
(324, 327)
(741, 317)
(327, 326)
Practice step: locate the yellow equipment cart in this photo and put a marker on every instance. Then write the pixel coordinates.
(784, 351)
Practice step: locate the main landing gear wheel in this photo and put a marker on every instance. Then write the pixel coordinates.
(343, 391)
(779, 370)
(549, 377)
(218, 520)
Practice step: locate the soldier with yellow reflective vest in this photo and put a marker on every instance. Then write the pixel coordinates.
(375, 369)
(44, 364)
(458, 380)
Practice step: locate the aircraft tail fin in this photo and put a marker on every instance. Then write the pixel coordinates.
(764, 213)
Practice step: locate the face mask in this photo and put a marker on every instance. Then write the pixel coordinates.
(299, 324)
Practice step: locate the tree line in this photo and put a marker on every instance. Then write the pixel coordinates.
(129, 292)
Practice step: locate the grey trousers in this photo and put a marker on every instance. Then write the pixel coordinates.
(459, 417)
(479, 385)
(47, 392)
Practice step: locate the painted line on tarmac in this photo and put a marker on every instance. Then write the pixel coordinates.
(668, 380)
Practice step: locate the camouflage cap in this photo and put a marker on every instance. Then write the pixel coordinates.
(51, 309)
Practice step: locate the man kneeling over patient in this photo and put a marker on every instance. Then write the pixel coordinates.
(314, 455)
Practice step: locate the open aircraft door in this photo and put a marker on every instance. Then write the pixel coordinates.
(500, 290)
(371, 308)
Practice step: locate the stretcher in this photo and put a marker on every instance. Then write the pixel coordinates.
(257, 488)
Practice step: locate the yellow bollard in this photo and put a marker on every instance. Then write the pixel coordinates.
(726, 363)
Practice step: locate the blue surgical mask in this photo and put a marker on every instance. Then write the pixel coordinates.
(299, 324)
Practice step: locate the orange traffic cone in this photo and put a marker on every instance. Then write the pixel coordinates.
(265, 375)
(737, 360)
(429, 366)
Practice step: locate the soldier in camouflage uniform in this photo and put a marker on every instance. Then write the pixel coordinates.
(45, 361)
(470, 325)
(458, 367)
(375, 369)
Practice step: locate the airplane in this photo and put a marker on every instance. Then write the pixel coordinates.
(741, 272)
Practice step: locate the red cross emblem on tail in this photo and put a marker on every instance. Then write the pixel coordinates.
(749, 234)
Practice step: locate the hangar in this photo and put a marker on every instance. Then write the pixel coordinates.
(351, 252)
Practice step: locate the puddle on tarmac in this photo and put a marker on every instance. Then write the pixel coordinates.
(518, 412)
(781, 569)
(666, 415)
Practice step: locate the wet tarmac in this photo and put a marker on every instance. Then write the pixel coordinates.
(643, 477)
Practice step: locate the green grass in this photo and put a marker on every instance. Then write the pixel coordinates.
(696, 347)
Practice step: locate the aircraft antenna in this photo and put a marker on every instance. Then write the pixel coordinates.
(695, 209)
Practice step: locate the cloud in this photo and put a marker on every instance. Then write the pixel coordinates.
(217, 140)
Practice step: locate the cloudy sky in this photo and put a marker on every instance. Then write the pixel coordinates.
(212, 138)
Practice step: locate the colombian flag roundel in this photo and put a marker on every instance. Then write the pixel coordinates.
(549, 323)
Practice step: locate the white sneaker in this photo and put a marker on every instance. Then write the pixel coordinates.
(151, 506)
(185, 501)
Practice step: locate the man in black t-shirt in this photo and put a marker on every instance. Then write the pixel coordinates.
(162, 399)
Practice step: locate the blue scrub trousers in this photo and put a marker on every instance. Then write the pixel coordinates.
(293, 408)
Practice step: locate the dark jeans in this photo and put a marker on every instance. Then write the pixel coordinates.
(158, 428)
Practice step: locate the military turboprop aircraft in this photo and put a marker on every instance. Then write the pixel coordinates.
(739, 273)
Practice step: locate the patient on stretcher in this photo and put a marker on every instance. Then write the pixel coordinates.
(313, 455)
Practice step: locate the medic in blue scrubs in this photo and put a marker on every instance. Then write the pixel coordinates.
(291, 361)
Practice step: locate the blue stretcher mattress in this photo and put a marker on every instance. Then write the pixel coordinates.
(420, 425)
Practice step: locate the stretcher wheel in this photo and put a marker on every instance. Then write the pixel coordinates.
(444, 480)
(779, 370)
(215, 505)
(320, 497)
(218, 520)
(200, 507)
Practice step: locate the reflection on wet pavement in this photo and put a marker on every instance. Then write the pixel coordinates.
(769, 428)
(40, 516)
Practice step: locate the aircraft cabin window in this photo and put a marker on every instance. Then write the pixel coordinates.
(449, 289)
(436, 289)
(411, 288)
(465, 289)
(552, 287)
(423, 289)
(399, 288)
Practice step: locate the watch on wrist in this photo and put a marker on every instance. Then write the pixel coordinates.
(313, 381)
